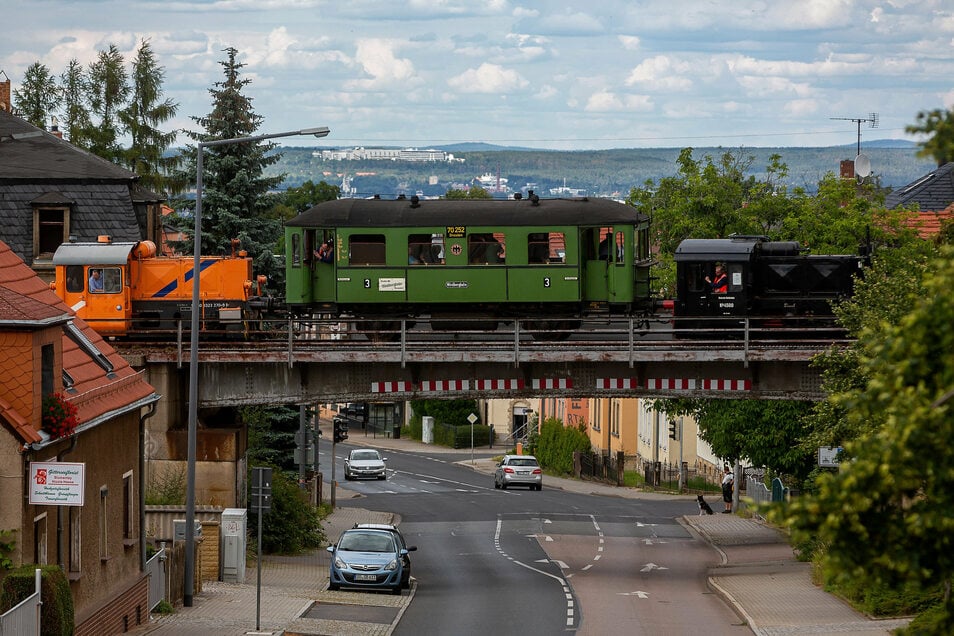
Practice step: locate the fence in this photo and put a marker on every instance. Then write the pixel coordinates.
(156, 569)
(607, 467)
(24, 618)
(759, 493)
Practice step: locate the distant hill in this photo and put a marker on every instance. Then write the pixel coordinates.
(591, 172)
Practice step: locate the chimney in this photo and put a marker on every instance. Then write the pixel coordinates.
(5, 103)
(847, 169)
(55, 128)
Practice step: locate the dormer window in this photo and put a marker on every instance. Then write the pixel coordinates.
(51, 224)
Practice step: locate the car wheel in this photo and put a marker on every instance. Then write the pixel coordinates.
(334, 587)
(396, 590)
(503, 485)
(383, 478)
(496, 485)
(539, 487)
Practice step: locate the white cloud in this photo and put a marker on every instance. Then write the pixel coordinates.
(488, 78)
(377, 58)
(606, 101)
(661, 73)
(629, 42)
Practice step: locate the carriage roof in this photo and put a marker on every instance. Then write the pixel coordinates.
(487, 212)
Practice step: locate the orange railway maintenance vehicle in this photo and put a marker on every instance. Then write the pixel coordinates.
(125, 289)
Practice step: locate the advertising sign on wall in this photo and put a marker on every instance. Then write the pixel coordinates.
(57, 483)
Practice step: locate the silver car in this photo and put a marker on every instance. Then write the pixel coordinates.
(518, 470)
(365, 462)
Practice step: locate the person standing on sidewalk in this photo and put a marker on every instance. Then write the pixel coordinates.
(728, 481)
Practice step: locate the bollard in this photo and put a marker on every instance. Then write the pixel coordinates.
(519, 448)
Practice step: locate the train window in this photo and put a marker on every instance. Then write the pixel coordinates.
(486, 249)
(620, 246)
(696, 278)
(296, 250)
(366, 249)
(425, 249)
(546, 247)
(74, 279)
(105, 280)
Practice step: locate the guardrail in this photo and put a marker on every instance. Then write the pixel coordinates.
(156, 569)
(23, 619)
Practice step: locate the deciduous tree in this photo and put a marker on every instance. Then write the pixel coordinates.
(938, 126)
(76, 119)
(108, 85)
(885, 515)
(38, 96)
(141, 118)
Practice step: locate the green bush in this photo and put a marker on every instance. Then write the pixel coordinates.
(293, 525)
(56, 614)
(556, 444)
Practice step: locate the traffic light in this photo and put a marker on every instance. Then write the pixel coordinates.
(673, 431)
(341, 430)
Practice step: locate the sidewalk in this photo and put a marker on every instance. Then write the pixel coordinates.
(758, 576)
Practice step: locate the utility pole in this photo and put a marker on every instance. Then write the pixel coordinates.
(872, 120)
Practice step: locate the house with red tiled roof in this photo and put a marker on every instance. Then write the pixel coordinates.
(932, 195)
(98, 539)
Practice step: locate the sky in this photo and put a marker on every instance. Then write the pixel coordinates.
(567, 75)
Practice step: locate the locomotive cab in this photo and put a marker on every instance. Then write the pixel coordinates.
(93, 279)
(724, 302)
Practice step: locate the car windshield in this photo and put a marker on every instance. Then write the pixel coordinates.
(522, 461)
(365, 455)
(366, 542)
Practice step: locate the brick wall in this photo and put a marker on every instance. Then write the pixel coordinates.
(120, 614)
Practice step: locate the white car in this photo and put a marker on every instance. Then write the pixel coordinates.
(365, 462)
(518, 470)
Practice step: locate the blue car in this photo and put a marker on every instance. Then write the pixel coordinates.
(368, 558)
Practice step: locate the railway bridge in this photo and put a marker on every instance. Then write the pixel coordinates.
(336, 362)
(328, 361)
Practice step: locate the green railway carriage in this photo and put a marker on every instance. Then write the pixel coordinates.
(552, 258)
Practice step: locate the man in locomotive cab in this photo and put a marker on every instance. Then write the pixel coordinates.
(95, 281)
(720, 283)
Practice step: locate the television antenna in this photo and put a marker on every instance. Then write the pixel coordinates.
(872, 120)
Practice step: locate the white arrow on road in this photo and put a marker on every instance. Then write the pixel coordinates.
(640, 524)
(649, 567)
(639, 594)
(561, 564)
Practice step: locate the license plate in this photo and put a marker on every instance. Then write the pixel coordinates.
(523, 472)
(365, 577)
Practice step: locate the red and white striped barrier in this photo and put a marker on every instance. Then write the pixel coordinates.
(445, 385)
(510, 384)
(392, 387)
(617, 383)
(552, 383)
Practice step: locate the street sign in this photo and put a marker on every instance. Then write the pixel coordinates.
(261, 489)
(828, 456)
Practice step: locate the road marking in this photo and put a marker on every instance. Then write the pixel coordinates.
(649, 567)
(639, 594)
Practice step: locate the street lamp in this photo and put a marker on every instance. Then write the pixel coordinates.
(194, 346)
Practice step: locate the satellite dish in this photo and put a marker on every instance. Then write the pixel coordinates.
(862, 166)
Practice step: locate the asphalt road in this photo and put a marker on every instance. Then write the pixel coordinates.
(525, 562)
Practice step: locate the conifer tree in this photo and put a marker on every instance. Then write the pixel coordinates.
(235, 191)
(141, 117)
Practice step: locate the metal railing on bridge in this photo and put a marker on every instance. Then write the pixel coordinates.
(515, 340)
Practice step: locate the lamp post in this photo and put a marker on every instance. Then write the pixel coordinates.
(194, 346)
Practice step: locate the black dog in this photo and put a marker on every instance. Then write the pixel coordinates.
(704, 508)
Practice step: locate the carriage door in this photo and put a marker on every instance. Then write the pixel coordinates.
(324, 285)
(596, 252)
